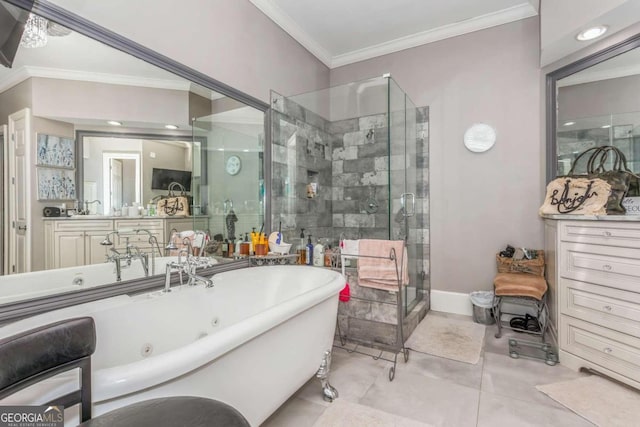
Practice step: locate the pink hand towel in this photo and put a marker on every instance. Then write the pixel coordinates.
(381, 273)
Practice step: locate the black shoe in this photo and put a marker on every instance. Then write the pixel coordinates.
(532, 324)
(518, 324)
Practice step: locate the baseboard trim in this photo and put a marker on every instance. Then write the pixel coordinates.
(451, 302)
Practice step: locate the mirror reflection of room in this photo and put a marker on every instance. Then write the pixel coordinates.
(598, 106)
(125, 128)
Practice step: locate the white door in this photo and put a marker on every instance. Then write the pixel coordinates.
(19, 203)
(116, 183)
(4, 136)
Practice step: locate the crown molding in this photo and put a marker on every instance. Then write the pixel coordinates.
(20, 74)
(291, 27)
(501, 17)
(14, 78)
(594, 76)
(284, 21)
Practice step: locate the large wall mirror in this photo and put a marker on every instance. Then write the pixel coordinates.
(91, 129)
(594, 102)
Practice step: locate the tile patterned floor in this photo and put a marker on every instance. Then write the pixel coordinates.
(498, 391)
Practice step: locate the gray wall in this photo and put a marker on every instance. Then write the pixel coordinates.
(601, 98)
(231, 41)
(479, 202)
(15, 99)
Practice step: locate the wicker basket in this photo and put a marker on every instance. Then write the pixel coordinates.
(531, 266)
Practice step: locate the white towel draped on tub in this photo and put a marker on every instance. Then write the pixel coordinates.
(381, 273)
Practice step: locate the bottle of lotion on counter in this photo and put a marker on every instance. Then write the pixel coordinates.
(318, 254)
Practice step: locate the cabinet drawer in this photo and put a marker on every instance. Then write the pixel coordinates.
(137, 223)
(82, 225)
(140, 240)
(604, 265)
(623, 234)
(612, 308)
(615, 351)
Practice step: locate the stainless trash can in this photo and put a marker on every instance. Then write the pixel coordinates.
(482, 307)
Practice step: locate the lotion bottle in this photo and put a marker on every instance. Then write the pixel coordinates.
(309, 251)
(318, 254)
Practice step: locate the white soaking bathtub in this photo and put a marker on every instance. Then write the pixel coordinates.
(251, 340)
(24, 286)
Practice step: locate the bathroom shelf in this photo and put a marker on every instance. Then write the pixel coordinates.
(398, 346)
(273, 259)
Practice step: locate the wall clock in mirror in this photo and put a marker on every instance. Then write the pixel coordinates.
(233, 165)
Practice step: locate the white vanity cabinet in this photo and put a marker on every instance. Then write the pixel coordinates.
(126, 231)
(69, 243)
(594, 283)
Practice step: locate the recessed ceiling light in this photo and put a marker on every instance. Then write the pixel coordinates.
(245, 150)
(569, 124)
(172, 127)
(605, 126)
(592, 33)
(114, 123)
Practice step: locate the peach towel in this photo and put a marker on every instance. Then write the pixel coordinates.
(381, 273)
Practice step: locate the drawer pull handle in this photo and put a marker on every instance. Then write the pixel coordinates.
(607, 308)
(607, 234)
(607, 267)
(608, 350)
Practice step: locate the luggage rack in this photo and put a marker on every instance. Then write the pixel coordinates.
(398, 345)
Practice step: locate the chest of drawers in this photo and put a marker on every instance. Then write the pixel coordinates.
(595, 282)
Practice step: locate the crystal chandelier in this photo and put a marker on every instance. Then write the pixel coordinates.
(35, 32)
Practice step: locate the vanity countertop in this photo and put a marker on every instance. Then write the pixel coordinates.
(99, 217)
(632, 218)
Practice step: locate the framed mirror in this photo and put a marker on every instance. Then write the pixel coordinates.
(135, 118)
(594, 102)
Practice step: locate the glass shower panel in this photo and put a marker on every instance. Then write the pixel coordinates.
(404, 179)
(358, 144)
(229, 188)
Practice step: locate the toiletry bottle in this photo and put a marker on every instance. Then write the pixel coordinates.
(225, 248)
(301, 249)
(309, 252)
(318, 254)
(327, 256)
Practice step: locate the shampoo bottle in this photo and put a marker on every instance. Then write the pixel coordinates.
(309, 252)
(318, 254)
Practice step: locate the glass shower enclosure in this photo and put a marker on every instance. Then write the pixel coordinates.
(351, 162)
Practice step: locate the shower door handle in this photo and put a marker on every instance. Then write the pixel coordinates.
(403, 200)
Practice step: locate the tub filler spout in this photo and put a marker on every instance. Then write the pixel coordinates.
(329, 393)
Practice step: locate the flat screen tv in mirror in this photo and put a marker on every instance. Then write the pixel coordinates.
(162, 178)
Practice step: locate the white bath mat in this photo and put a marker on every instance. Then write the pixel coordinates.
(599, 400)
(454, 339)
(342, 413)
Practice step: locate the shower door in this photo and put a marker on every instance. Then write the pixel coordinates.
(405, 177)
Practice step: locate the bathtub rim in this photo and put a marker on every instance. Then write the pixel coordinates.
(19, 310)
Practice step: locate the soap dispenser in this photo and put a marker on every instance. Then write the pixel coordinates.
(301, 249)
(309, 252)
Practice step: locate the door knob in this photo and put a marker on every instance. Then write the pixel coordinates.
(22, 227)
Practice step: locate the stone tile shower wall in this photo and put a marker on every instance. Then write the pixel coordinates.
(301, 154)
